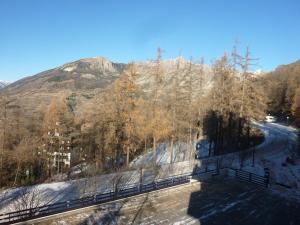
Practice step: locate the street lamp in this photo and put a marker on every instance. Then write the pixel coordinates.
(253, 153)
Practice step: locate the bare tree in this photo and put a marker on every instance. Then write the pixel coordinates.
(28, 198)
(296, 107)
(127, 90)
(176, 105)
(155, 103)
(200, 103)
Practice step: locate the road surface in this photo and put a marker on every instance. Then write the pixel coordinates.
(216, 201)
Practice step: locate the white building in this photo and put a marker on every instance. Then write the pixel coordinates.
(60, 159)
(270, 119)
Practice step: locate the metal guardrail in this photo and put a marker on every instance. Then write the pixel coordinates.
(246, 176)
(50, 209)
(124, 192)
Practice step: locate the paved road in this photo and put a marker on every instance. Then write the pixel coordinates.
(280, 141)
(270, 154)
(216, 201)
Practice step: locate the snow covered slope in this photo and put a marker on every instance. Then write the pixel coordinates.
(272, 153)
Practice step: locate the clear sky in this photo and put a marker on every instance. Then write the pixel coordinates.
(37, 35)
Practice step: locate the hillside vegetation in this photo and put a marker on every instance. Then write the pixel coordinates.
(107, 113)
(283, 90)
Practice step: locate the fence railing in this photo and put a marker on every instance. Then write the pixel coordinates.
(133, 189)
(242, 175)
(124, 192)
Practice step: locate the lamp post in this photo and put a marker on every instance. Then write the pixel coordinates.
(253, 154)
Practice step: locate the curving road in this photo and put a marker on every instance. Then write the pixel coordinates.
(272, 153)
(280, 143)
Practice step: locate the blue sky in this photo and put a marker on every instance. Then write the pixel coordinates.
(37, 35)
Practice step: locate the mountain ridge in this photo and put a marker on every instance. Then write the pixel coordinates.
(80, 81)
(3, 84)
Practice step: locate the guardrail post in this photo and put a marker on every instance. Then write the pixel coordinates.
(267, 182)
(131, 190)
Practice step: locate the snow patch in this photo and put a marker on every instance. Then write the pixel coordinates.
(88, 76)
(69, 68)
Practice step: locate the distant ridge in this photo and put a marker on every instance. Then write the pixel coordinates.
(3, 84)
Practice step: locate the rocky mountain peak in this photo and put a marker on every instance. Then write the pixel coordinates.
(97, 64)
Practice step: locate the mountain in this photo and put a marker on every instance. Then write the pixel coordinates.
(77, 81)
(171, 68)
(86, 74)
(3, 84)
(80, 81)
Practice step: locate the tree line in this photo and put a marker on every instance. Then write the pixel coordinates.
(126, 119)
(283, 89)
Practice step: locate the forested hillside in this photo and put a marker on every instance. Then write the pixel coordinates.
(105, 114)
(283, 89)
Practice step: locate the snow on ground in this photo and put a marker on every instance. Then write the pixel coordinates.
(280, 143)
(215, 201)
(180, 153)
(63, 191)
(163, 155)
(271, 153)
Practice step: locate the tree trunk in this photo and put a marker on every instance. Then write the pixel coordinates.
(240, 130)
(127, 156)
(209, 147)
(141, 177)
(154, 150)
(248, 135)
(17, 173)
(190, 141)
(3, 139)
(171, 150)
(145, 140)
